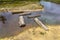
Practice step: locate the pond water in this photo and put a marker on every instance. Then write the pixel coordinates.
(11, 26)
(51, 12)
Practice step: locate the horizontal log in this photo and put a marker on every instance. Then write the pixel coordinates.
(24, 14)
(33, 16)
(17, 12)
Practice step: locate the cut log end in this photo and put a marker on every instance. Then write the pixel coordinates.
(23, 25)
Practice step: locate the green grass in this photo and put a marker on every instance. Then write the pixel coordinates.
(14, 4)
(22, 5)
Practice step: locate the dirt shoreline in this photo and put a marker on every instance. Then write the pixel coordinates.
(17, 10)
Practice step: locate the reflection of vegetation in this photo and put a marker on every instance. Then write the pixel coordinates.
(55, 1)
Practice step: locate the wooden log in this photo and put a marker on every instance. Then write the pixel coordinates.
(40, 23)
(21, 21)
(17, 12)
(34, 16)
